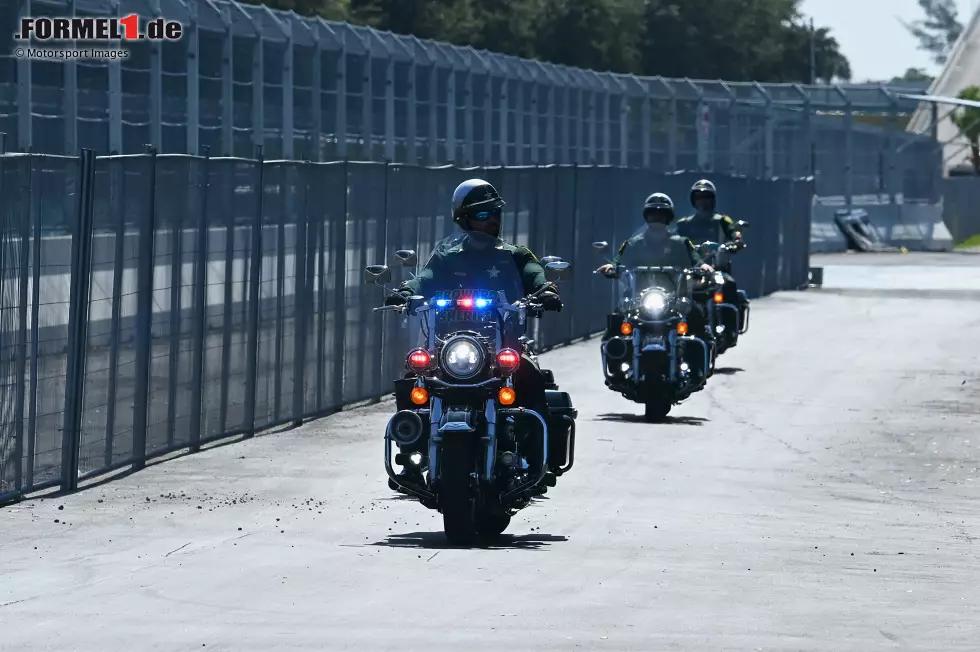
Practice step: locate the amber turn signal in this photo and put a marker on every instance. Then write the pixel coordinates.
(719, 297)
(682, 328)
(626, 328)
(420, 396)
(506, 396)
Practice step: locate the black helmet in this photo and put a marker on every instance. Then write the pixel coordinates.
(659, 203)
(475, 196)
(704, 187)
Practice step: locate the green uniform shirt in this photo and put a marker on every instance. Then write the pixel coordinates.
(510, 268)
(672, 251)
(702, 228)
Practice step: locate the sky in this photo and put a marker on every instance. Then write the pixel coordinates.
(871, 36)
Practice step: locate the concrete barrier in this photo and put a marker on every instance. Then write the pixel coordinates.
(915, 226)
(825, 236)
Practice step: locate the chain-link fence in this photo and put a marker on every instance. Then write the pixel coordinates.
(179, 304)
(244, 76)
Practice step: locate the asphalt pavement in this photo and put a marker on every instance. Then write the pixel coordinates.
(821, 494)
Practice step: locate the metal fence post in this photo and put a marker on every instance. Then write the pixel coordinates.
(35, 219)
(81, 253)
(200, 305)
(144, 320)
(22, 303)
(254, 295)
(338, 248)
(305, 255)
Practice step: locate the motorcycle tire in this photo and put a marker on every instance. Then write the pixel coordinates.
(657, 410)
(492, 525)
(456, 501)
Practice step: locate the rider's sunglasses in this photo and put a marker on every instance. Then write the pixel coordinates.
(483, 216)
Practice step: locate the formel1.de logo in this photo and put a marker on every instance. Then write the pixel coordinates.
(127, 28)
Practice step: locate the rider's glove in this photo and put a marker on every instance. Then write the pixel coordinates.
(400, 298)
(550, 301)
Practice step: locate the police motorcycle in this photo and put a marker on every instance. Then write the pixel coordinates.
(721, 315)
(647, 349)
(460, 390)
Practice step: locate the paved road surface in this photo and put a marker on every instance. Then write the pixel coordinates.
(832, 507)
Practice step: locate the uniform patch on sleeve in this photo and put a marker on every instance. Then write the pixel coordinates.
(727, 219)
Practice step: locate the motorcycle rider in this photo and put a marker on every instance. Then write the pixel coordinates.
(481, 260)
(655, 246)
(704, 225)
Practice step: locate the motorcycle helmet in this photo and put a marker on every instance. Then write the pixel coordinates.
(704, 188)
(660, 205)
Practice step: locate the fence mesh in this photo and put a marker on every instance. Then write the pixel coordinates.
(227, 295)
(303, 88)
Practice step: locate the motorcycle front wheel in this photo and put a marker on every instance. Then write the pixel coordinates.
(456, 500)
(657, 409)
(491, 524)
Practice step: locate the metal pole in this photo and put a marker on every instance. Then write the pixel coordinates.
(200, 305)
(144, 322)
(813, 53)
(254, 278)
(78, 323)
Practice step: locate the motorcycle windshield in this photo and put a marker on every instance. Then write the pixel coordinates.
(714, 255)
(475, 276)
(637, 280)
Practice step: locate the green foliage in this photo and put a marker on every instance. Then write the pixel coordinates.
(328, 9)
(738, 40)
(914, 75)
(967, 120)
(938, 31)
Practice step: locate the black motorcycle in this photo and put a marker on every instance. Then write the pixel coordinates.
(482, 462)
(727, 321)
(648, 354)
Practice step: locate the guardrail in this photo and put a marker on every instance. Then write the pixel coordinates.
(173, 351)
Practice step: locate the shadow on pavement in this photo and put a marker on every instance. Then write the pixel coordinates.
(437, 541)
(728, 371)
(638, 418)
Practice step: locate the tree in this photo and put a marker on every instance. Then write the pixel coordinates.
(830, 64)
(967, 120)
(912, 75)
(938, 31)
(444, 20)
(328, 9)
(597, 34)
(738, 40)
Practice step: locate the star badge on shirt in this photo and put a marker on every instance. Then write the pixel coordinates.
(493, 272)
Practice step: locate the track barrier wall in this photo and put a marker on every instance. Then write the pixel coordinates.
(133, 325)
(961, 207)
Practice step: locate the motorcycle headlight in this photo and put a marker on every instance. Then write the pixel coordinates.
(653, 304)
(463, 357)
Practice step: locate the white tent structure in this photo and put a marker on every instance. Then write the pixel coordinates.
(962, 69)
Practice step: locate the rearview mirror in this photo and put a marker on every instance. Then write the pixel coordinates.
(556, 270)
(743, 224)
(407, 257)
(551, 259)
(377, 274)
(600, 246)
